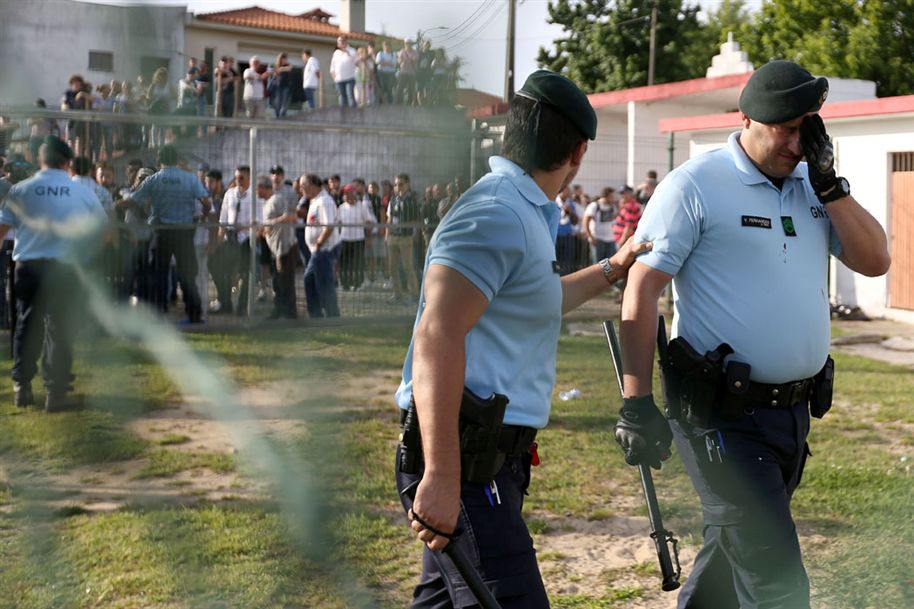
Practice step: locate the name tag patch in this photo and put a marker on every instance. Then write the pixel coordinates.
(756, 222)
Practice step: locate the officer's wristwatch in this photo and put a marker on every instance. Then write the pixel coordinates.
(607, 267)
(841, 189)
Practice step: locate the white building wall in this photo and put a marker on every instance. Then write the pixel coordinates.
(44, 41)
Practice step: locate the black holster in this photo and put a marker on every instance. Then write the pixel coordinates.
(823, 385)
(692, 382)
(480, 427)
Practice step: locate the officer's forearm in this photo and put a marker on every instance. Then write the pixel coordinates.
(581, 286)
(4, 228)
(638, 330)
(438, 378)
(863, 242)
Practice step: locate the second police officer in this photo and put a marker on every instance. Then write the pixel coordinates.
(56, 220)
(744, 232)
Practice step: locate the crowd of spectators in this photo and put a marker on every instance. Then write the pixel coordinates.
(591, 229)
(347, 237)
(362, 77)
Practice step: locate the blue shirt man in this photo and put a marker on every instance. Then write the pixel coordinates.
(488, 322)
(56, 220)
(744, 233)
(172, 194)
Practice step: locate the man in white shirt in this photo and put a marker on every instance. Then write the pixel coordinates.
(255, 89)
(322, 239)
(280, 218)
(310, 78)
(342, 70)
(235, 240)
(355, 219)
(599, 219)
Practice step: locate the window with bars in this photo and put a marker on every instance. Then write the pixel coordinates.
(101, 61)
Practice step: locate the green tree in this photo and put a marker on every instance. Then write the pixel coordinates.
(606, 43)
(866, 39)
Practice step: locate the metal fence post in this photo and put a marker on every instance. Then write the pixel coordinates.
(473, 144)
(252, 232)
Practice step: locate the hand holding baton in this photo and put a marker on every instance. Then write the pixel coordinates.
(670, 569)
(484, 597)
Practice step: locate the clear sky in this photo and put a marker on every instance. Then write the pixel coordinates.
(473, 29)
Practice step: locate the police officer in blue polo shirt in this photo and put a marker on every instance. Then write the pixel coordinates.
(55, 220)
(486, 332)
(173, 194)
(744, 232)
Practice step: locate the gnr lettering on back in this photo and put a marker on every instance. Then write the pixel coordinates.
(52, 191)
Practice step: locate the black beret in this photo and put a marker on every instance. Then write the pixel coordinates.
(781, 91)
(58, 146)
(563, 95)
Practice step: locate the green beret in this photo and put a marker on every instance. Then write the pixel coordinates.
(781, 91)
(563, 95)
(58, 146)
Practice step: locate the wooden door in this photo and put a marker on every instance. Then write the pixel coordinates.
(901, 275)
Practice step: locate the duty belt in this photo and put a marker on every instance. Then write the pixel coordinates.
(513, 440)
(785, 395)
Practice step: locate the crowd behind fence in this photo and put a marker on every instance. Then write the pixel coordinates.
(377, 257)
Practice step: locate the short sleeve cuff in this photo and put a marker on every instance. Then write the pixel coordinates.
(474, 277)
(656, 261)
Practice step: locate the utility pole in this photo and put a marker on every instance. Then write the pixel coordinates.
(509, 56)
(650, 59)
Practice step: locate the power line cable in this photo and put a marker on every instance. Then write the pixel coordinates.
(482, 27)
(471, 21)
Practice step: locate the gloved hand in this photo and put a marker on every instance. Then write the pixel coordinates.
(643, 432)
(820, 157)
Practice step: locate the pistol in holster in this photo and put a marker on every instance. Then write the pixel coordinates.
(480, 426)
(823, 385)
(694, 384)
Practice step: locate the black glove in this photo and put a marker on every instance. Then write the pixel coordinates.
(642, 432)
(820, 158)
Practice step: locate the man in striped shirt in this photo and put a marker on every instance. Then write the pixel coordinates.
(628, 217)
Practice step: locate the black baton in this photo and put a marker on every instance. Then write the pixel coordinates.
(663, 538)
(484, 596)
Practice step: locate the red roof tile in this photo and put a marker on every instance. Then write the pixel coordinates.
(264, 19)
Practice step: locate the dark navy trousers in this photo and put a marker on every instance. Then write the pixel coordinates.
(47, 303)
(745, 472)
(495, 538)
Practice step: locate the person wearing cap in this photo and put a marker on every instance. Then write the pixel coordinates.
(744, 233)
(172, 195)
(56, 221)
(489, 322)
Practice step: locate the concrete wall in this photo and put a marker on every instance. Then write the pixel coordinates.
(44, 41)
(437, 150)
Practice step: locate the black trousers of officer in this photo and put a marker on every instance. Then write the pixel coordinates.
(497, 541)
(177, 243)
(745, 472)
(46, 306)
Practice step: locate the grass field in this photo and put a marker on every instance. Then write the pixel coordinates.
(299, 510)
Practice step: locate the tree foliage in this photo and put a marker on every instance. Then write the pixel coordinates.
(605, 43)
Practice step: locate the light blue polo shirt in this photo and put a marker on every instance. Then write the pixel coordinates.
(725, 233)
(500, 235)
(54, 217)
(173, 193)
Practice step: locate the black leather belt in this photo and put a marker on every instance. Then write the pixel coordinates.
(785, 395)
(515, 440)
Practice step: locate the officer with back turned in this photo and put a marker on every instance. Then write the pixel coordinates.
(478, 377)
(173, 194)
(55, 219)
(744, 232)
